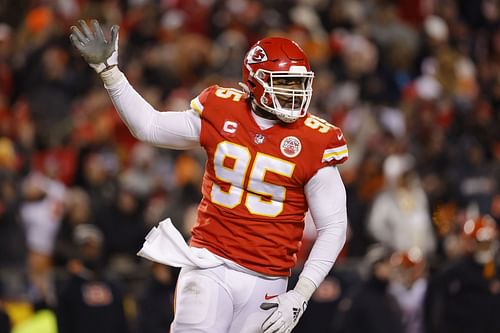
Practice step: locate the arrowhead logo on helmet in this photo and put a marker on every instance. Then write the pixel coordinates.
(257, 55)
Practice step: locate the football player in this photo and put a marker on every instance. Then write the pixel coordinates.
(268, 162)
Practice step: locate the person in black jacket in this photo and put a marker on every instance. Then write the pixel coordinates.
(89, 302)
(5, 324)
(370, 308)
(156, 303)
(465, 296)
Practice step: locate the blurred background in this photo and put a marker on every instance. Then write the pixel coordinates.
(414, 85)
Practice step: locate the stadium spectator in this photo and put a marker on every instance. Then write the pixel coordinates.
(5, 322)
(13, 249)
(400, 216)
(408, 286)
(41, 212)
(327, 305)
(464, 295)
(88, 301)
(77, 212)
(370, 307)
(155, 306)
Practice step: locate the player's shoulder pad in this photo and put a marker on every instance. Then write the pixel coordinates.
(219, 93)
(335, 146)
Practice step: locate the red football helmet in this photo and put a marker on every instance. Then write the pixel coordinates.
(278, 77)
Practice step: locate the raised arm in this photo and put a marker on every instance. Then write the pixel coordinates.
(176, 130)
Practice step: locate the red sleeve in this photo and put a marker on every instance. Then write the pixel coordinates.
(335, 151)
(198, 103)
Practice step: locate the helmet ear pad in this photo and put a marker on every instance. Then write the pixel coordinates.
(251, 86)
(257, 92)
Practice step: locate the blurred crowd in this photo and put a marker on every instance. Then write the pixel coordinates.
(414, 85)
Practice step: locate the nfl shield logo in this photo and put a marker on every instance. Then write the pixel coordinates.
(259, 138)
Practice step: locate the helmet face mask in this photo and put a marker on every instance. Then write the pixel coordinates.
(278, 77)
(286, 94)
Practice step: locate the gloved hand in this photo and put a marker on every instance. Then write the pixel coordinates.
(289, 308)
(99, 53)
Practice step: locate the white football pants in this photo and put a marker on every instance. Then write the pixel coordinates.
(222, 300)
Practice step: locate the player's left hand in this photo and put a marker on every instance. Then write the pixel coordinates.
(289, 307)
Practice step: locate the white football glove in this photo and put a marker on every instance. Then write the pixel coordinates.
(93, 46)
(289, 308)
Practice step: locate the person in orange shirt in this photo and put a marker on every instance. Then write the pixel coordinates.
(269, 161)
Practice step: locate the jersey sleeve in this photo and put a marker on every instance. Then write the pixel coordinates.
(198, 103)
(335, 151)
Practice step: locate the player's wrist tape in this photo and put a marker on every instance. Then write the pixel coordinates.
(111, 76)
(305, 287)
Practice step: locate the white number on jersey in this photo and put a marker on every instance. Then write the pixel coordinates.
(263, 198)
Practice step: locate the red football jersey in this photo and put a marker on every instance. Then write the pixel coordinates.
(253, 205)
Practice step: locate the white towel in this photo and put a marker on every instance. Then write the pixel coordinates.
(164, 244)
